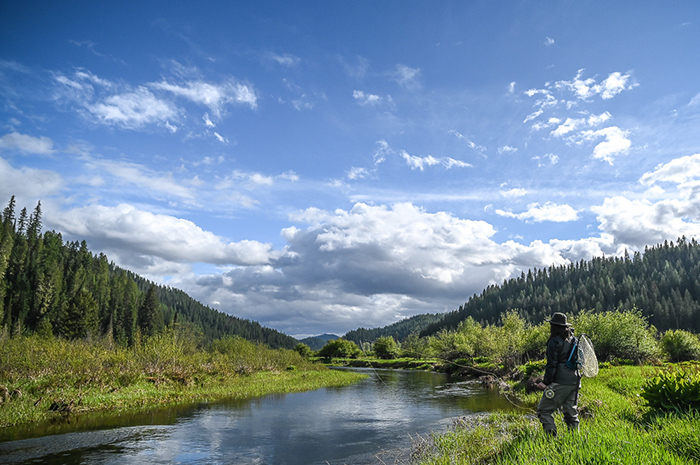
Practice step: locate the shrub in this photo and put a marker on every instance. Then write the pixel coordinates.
(673, 391)
(681, 345)
(622, 335)
(340, 348)
(386, 348)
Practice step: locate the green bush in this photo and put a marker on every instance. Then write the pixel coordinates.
(619, 335)
(340, 348)
(681, 345)
(386, 348)
(673, 391)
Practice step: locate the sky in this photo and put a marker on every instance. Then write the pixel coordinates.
(321, 166)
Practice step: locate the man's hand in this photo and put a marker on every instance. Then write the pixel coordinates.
(541, 386)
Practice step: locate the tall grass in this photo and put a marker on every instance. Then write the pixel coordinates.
(49, 376)
(615, 428)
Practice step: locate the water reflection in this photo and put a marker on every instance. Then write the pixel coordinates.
(354, 424)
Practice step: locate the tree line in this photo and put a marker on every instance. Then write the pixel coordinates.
(663, 284)
(52, 287)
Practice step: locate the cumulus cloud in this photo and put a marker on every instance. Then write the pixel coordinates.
(377, 264)
(548, 212)
(30, 183)
(124, 229)
(615, 143)
(26, 144)
(640, 222)
(677, 171)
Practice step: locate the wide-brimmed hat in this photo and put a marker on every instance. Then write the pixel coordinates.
(558, 319)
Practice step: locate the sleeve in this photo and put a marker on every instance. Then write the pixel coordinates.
(552, 359)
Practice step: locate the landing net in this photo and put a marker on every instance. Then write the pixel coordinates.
(589, 365)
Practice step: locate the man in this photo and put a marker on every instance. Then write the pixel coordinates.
(561, 383)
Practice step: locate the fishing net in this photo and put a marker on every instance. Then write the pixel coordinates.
(587, 359)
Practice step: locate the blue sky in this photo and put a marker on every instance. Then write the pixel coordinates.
(321, 166)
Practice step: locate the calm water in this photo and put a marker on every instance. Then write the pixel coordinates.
(371, 422)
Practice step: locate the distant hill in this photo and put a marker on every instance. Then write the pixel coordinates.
(317, 342)
(663, 283)
(399, 330)
(51, 287)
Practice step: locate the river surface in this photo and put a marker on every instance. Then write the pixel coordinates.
(370, 422)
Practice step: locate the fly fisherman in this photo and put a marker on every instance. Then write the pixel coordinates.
(561, 382)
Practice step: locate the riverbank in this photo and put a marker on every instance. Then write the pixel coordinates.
(45, 378)
(616, 427)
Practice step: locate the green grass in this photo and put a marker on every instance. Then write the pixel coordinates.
(98, 376)
(617, 429)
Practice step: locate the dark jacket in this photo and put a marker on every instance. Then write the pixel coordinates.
(556, 371)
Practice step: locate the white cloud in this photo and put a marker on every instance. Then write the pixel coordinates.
(27, 144)
(213, 96)
(640, 222)
(29, 183)
(514, 193)
(366, 99)
(585, 89)
(421, 163)
(548, 212)
(507, 149)
(133, 110)
(573, 124)
(676, 171)
(548, 41)
(615, 143)
(126, 230)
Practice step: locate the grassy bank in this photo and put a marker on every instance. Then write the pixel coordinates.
(616, 428)
(43, 378)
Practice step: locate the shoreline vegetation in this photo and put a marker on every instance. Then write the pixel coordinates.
(48, 378)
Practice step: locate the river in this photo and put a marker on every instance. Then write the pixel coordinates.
(370, 422)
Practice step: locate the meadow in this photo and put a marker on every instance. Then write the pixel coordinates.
(43, 378)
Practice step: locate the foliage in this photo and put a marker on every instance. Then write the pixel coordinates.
(62, 289)
(340, 348)
(663, 282)
(676, 390)
(681, 345)
(303, 350)
(386, 348)
(623, 335)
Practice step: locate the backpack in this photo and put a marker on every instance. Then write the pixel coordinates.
(576, 357)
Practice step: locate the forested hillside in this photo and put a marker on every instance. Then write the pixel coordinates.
(663, 283)
(399, 330)
(48, 286)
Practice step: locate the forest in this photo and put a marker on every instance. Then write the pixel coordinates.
(48, 286)
(663, 283)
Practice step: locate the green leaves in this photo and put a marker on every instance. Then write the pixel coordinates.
(673, 391)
